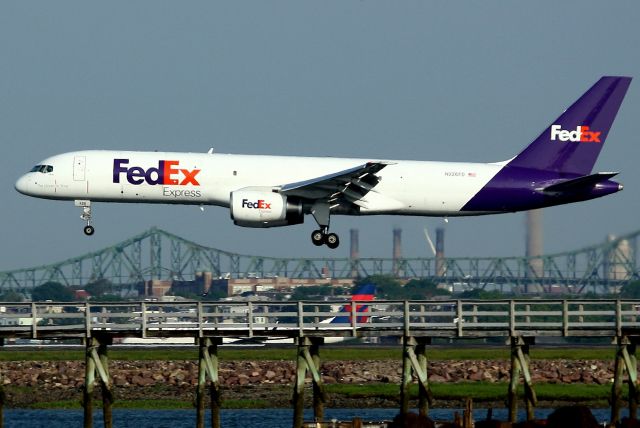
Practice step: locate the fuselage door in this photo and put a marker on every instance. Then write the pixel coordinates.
(79, 166)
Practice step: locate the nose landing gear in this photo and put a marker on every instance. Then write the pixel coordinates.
(86, 216)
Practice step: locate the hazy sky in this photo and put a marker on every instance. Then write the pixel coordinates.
(460, 81)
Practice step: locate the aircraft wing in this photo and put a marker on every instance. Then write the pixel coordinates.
(349, 185)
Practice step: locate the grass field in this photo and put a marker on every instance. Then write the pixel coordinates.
(326, 353)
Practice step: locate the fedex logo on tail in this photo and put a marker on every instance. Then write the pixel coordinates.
(581, 134)
(167, 173)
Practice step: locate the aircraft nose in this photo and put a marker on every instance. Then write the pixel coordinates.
(22, 185)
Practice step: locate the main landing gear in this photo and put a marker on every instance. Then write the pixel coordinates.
(321, 213)
(86, 216)
(321, 237)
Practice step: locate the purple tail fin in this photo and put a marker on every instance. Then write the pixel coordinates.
(572, 143)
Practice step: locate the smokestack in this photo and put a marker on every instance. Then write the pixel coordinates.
(441, 269)
(397, 251)
(534, 243)
(616, 264)
(355, 253)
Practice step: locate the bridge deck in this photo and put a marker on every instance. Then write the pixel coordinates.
(446, 318)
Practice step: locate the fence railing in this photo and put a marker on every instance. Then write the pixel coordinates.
(445, 318)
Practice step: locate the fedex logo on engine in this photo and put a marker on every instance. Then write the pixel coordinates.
(167, 173)
(581, 134)
(260, 204)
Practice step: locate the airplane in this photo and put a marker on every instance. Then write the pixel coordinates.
(363, 293)
(342, 320)
(273, 191)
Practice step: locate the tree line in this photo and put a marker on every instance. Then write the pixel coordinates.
(387, 288)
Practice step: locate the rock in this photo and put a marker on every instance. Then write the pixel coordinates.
(436, 378)
(476, 376)
(119, 381)
(601, 380)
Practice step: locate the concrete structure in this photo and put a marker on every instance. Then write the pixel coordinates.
(618, 267)
(441, 267)
(397, 252)
(534, 242)
(533, 251)
(354, 253)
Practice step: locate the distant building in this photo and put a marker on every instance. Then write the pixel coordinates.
(235, 286)
(204, 283)
(81, 295)
(156, 288)
(618, 266)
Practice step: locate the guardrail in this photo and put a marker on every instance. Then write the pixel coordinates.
(446, 318)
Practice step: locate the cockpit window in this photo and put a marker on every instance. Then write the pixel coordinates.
(42, 168)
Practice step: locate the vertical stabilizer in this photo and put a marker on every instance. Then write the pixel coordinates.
(365, 292)
(572, 142)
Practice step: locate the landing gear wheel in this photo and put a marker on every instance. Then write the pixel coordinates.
(317, 237)
(332, 240)
(86, 215)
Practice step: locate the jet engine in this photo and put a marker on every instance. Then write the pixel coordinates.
(261, 207)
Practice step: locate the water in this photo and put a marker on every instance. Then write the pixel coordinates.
(263, 418)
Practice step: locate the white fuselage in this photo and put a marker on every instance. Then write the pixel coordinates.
(405, 187)
(273, 191)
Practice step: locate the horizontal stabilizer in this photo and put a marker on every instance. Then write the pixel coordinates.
(576, 184)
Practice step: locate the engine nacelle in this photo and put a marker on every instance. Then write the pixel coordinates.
(260, 207)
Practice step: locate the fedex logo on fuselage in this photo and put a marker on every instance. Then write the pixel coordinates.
(259, 204)
(581, 134)
(167, 173)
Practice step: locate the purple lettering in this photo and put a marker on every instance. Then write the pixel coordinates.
(118, 169)
(159, 175)
(135, 175)
(153, 176)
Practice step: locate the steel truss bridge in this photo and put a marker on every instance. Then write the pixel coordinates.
(157, 254)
